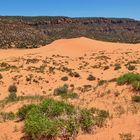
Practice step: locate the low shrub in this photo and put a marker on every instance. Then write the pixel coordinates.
(1, 76)
(7, 116)
(86, 120)
(101, 82)
(65, 78)
(136, 99)
(99, 116)
(106, 67)
(126, 136)
(131, 67)
(23, 111)
(130, 78)
(12, 93)
(52, 119)
(61, 90)
(136, 85)
(64, 92)
(91, 78)
(12, 88)
(117, 67)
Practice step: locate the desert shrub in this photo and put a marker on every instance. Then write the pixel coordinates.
(22, 112)
(136, 99)
(126, 136)
(12, 88)
(117, 67)
(74, 74)
(51, 119)
(29, 77)
(91, 78)
(136, 85)
(131, 67)
(12, 92)
(106, 67)
(72, 126)
(22, 46)
(65, 93)
(71, 95)
(130, 78)
(33, 61)
(101, 82)
(65, 78)
(61, 90)
(99, 116)
(86, 120)
(37, 125)
(56, 108)
(1, 76)
(7, 116)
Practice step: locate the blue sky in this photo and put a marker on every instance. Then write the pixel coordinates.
(72, 8)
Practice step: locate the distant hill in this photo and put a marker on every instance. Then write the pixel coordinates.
(32, 32)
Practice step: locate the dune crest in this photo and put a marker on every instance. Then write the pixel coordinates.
(68, 47)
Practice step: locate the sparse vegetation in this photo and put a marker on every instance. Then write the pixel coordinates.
(117, 67)
(101, 82)
(131, 67)
(52, 119)
(7, 116)
(32, 34)
(12, 92)
(65, 93)
(65, 78)
(1, 76)
(136, 98)
(130, 78)
(126, 136)
(91, 78)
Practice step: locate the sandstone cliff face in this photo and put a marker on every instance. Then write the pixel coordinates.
(31, 32)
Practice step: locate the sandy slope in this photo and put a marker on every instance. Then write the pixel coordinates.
(84, 56)
(70, 47)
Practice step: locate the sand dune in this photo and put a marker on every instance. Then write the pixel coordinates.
(69, 47)
(84, 56)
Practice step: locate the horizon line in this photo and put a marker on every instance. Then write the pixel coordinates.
(70, 16)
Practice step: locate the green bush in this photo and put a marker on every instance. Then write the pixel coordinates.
(51, 119)
(136, 85)
(56, 108)
(136, 99)
(130, 78)
(37, 125)
(72, 126)
(23, 111)
(86, 120)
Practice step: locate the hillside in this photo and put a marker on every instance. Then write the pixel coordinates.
(32, 32)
